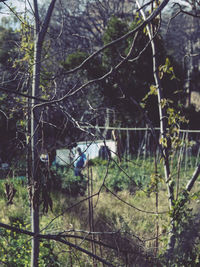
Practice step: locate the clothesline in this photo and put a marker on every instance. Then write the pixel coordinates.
(135, 129)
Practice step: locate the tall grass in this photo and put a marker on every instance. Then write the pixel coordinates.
(125, 205)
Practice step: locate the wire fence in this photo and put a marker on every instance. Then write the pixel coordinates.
(141, 143)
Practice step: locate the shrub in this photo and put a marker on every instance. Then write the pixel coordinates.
(127, 177)
(186, 252)
(118, 181)
(97, 162)
(15, 249)
(73, 185)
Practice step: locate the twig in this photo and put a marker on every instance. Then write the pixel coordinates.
(55, 238)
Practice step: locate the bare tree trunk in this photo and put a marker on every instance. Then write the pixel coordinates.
(35, 144)
(163, 130)
(35, 157)
(39, 35)
(162, 112)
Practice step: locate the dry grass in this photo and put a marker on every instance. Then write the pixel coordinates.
(132, 216)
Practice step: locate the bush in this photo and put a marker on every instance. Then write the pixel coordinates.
(127, 176)
(73, 185)
(97, 162)
(15, 249)
(186, 251)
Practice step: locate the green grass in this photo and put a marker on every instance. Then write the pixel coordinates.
(126, 205)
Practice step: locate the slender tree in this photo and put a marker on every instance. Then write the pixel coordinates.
(164, 138)
(40, 30)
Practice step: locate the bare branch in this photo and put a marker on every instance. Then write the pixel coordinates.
(21, 94)
(55, 238)
(155, 13)
(45, 24)
(193, 179)
(181, 10)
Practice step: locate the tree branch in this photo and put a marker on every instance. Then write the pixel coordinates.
(21, 94)
(193, 179)
(154, 14)
(55, 238)
(45, 24)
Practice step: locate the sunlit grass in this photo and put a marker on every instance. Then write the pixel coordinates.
(129, 208)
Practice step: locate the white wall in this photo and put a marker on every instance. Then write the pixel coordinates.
(91, 149)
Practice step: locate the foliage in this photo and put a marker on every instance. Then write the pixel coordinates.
(26, 46)
(15, 249)
(132, 79)
(128, 81)
(187, 234)
(110, 214)
(68, 183)
(186, 252)
(115, 29)
(11, 132)
(91, 70)
(128, 175)
(97, 162)
(74, 60)
(7, 38)
(74, 185)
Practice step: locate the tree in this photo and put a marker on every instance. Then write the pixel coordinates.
(126, 80)
(167, 114)
(165, 149)
(39, 35)
(11, 80)
(182, 42)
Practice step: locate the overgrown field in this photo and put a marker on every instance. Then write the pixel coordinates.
(125, 207)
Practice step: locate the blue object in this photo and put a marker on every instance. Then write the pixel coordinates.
(79, 164)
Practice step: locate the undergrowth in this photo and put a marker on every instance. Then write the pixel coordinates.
(125, 211)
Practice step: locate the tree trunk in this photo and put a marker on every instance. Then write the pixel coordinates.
(163, 131)
(35, 156)
(39, 35)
